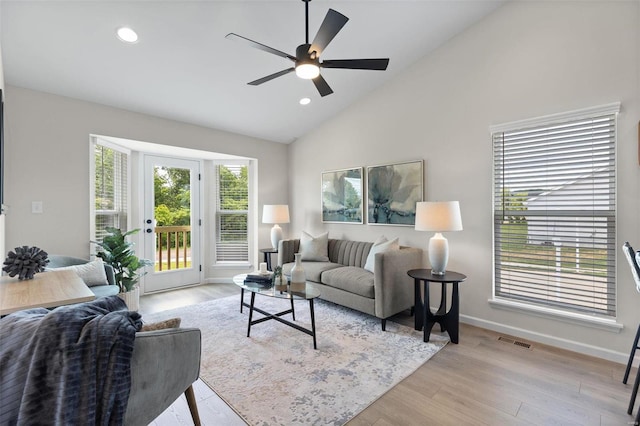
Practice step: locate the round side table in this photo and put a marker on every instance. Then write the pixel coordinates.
(424, 319)
(267, 256)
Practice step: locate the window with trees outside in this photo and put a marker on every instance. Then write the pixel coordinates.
(232, 214)
(554, 212)
(110, 190)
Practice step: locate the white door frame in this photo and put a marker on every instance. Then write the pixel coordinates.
(166, 280)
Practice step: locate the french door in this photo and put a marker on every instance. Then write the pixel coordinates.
(172, 222)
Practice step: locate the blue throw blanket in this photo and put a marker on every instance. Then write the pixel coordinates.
(69, 366)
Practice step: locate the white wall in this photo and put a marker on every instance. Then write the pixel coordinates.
(47, 159)
(527, 59)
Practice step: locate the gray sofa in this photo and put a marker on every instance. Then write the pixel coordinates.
(344, 281)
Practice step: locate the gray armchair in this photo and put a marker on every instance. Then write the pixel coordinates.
(164, 364)
(109, 288)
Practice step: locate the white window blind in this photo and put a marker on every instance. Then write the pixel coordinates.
(232, 213)
(555, 212)
(110, 192)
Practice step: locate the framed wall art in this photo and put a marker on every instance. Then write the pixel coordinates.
(342, 196)
(392, 193)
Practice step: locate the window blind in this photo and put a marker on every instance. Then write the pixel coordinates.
(232, 243)
(555, 214)
(110, 190)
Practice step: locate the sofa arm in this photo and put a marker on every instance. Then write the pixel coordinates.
(393, 287)
(286, 251)
(163, 365)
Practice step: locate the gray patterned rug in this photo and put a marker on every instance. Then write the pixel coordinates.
(275, 377)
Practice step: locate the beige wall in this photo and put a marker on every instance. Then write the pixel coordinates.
(527, 59)
(47, 159)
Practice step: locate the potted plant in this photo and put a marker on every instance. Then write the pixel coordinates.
(278, 277)
(116, 251)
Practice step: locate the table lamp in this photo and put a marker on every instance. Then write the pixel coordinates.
(275, 213)
(438, 216)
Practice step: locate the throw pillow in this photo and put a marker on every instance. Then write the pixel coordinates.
(161, 325)
(315, 249)
(380, 246)
(92, 273)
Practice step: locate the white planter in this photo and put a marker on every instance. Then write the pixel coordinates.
(131, 298)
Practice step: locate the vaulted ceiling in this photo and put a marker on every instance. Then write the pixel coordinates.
(183, 68)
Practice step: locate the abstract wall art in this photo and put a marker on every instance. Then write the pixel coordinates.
(392, 193)
(342, 196)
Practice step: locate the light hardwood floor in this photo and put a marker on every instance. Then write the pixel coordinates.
(482, 380)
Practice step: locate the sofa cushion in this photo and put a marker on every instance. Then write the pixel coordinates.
(350, 278)
(349, 253)
(92, 273)
(315, 249)
(380, 246)
(104, 290)
(312, 270)
(161, 325)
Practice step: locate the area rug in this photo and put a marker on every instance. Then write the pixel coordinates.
(275, 377)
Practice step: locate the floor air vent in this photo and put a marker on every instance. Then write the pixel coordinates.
(515, 342)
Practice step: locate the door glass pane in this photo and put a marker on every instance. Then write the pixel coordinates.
(172, 211)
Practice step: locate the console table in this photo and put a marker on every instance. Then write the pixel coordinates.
(46, 290)
(424, 319)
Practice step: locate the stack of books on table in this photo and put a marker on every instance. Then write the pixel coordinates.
(258, 278)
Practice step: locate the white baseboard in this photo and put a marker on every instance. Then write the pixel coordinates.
(546, 339)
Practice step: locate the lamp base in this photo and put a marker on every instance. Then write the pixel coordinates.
(438, 254)
(276, 236)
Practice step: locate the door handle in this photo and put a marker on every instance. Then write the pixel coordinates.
(149, 230)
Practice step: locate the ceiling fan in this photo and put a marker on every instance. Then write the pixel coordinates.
(307, 60)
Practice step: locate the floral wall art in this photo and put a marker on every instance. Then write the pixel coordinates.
(392, 193)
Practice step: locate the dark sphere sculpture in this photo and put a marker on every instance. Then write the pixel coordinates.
(25, 261)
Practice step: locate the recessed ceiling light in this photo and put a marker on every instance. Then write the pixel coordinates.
(127, 35)
(305, 101)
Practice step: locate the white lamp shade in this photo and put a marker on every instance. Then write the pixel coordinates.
(275, 213)
(438, 216)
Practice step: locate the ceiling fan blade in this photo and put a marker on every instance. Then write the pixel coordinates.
(233, 36)
(333, 22)
(271, 77)
(357, 64)
(322, 86)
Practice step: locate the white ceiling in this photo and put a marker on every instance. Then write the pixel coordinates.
(184, 69)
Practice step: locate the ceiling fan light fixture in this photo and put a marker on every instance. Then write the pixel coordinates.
(307, 71)
(127, 35)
